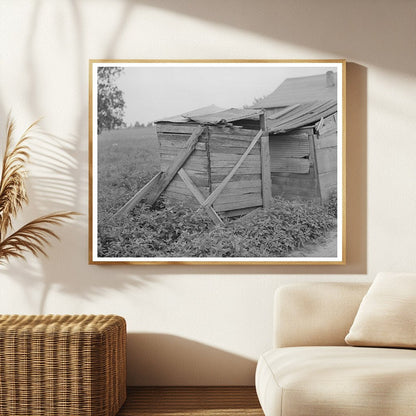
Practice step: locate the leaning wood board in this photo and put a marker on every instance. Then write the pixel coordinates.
(324, 141)
(326, 159)
(177, 164)
(328, 182)
(215, 155)
(179, 186)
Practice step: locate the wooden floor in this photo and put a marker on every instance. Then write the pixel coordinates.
(187, 401)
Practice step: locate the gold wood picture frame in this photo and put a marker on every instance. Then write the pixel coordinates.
(217, 162)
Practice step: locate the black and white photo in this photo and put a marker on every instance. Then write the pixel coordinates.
(217, 162)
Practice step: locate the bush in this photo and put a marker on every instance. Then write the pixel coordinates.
(266, 233)
(180, 231)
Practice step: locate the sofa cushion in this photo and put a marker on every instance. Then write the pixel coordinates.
(342, 381)
(315, 314)
(387, 314)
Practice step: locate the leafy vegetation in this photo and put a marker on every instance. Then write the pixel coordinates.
(127, 159)
(179, 231)
(332, 204)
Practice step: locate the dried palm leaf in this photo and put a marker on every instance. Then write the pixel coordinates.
(33, 237)
(12, 182)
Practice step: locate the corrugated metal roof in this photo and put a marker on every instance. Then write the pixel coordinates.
(302, 90)
(212, 115)
(300, 115)
(203, 110)
(173, 119)
(289, 118)
(232, 114)
(184, 117)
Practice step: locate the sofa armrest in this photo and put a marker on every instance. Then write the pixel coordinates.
(309, 314)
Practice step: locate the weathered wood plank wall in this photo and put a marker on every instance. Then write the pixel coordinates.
(172, 139)
(292, 165)
(226, 146)
(215, 155)
(303, 165)
(326, 156)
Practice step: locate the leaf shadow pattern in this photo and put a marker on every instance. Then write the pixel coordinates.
(32, 74)
(166, 359)
(60, 181)
(52, 186)
(66, 181)
(358, 29)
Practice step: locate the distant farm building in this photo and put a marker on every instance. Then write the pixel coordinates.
(230, 161)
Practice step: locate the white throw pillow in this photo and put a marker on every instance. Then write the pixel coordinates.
(387, 314)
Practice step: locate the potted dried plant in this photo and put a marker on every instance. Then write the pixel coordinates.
(34, 236)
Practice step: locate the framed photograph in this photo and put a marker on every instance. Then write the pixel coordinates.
(217, 162)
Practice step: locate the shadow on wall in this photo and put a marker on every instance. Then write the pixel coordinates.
(356, 189)
(64, 183)
(161, 359)
(54, 187)
(357, 35)
(60, 182)
(338, 29)
(73, 147)
(356, 194)
(344, 29)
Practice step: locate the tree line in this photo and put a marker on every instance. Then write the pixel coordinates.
(110, 99)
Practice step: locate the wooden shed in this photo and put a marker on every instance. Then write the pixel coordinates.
(212, 158)
(231, 161)
(303, 151)
(224, 171)
(302, 124)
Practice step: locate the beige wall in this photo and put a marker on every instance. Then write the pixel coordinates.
(205, 325)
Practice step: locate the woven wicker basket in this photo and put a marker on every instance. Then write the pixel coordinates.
(72, 365)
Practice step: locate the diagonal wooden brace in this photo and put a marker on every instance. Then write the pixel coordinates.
(199, 197)
(132, 202)
(214, 195)
(182, 157)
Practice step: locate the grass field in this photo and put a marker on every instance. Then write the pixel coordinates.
(129, 158)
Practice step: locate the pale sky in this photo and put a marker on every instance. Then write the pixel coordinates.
(154, 92)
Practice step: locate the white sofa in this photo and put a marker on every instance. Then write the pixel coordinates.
(311, 371)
